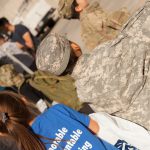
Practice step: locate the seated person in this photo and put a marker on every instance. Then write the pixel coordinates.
(12, 49)
(19, 34)
(114, 78)
(51, 130)
(59, 53)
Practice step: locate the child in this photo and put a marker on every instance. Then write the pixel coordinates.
(59, 127)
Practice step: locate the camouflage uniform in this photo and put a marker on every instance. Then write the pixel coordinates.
(64, 8)
(9, 77)
(115, 78)
(97, 26)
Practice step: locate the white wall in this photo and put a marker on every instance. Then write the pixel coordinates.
(53, 3)
(9, 8)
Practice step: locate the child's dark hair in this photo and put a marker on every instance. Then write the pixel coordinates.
(15, 116)
(75, 15)
(3, 21)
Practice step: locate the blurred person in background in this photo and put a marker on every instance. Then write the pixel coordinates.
(20, 34)
(12, 49)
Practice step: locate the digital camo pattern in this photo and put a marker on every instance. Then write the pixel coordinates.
(9, 77)
(98, 26)
(53, 54)
(64, 8)
(115, 78)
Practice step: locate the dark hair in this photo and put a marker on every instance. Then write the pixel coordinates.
(15, 116)
(2, 36)
(75, 15)
(3, 21)
(7, 143)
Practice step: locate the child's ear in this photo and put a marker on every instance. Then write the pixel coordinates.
(78, 9)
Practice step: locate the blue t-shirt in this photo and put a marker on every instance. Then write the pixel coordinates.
(17, 35)
(68, 130)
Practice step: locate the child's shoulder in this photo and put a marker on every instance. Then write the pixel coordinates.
(57, 106)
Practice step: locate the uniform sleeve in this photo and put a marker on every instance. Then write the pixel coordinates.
(83, 119)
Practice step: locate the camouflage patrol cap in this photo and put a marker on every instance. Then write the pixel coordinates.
(53, 54)
(64, 8)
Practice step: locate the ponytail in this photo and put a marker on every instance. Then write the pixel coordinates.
(24, 137)
(15, 116)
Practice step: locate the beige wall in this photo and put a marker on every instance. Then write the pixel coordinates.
(9, 8)
(112, 5)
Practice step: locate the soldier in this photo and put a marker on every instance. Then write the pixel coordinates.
(115, 77)
(61, 53)
(97, 26)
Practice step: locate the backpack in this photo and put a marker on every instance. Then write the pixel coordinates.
(57, 88)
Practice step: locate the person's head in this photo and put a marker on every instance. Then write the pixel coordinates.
(4, 24)
(15, 116)
(71, 8)
(53, 54)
